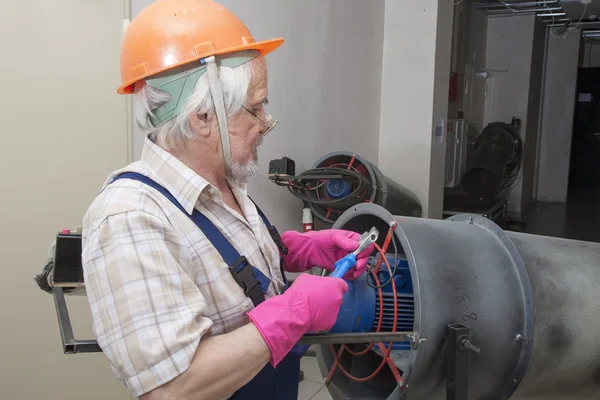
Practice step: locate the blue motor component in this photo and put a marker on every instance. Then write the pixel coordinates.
(404, 299)
(338, 188)
(361, 309)
(358, 308)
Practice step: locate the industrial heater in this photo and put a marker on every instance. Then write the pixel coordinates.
(488, 314)
(453, 309)
(340, 180)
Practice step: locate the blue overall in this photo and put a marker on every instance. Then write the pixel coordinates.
(279, 383)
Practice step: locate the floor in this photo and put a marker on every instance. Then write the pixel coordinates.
(578, 218)
(313, 385)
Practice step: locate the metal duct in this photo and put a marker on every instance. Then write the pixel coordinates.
(530, 303)
(497, 153)
(385, 192)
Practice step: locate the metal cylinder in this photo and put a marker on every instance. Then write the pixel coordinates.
(393, 197)
(494, 151)
(530, 303)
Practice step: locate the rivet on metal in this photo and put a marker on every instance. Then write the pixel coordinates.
(519, 338)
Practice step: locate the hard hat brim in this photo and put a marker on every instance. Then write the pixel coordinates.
(264, 47)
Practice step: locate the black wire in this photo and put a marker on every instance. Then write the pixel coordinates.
(513, 169)
(393, 273)
(299, 187)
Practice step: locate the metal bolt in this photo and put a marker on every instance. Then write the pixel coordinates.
(470, 346)
(519, 338)
(415, 340)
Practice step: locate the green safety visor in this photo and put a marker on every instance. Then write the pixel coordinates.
(180, 82)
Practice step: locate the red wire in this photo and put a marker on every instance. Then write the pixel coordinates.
(337, 363)
(382, 250)
(386, 243)
(385, 351)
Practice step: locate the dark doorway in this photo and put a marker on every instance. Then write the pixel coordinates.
(584, 174)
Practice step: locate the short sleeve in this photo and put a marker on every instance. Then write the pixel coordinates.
(147, 311)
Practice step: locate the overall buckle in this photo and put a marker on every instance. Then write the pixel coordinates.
(283, 250)
(241, 270)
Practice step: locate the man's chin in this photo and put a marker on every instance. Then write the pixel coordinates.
(241, 173)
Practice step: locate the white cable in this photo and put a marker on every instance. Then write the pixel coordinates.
(570, 29)
(454, 4)
(580, 18)
(217, 96)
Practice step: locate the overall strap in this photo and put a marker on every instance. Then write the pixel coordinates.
(254, 283)
(283, 250)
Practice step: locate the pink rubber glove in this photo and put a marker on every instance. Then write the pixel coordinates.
(323, 249)
(311, 304)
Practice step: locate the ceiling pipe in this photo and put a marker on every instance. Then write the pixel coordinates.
(558, 14)
(550, 12)
(520, 11)
(524, 4)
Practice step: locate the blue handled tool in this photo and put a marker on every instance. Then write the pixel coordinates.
(344, 265)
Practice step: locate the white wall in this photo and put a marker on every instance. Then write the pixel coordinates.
(557, 117)
(475, 61)
(510, 47)
(590, 52)
(324, 86)
(530, 144)
(416, 70)
(64, 130)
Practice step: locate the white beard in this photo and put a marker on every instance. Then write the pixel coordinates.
(241, 173)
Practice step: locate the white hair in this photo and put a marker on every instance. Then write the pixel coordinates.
(234, 83)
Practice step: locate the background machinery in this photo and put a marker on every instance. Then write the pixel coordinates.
(340, 180)
(480, 168)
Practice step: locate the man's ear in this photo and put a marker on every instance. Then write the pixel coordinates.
(201, 124)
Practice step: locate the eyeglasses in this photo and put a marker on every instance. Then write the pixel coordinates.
(269, 123)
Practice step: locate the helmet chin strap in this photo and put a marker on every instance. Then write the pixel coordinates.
(217, 96)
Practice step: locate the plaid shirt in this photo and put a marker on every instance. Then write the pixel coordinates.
(155, 284)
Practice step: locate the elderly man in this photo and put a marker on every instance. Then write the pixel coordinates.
(184, 274)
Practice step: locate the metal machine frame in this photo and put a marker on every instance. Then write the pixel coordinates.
(457, 336)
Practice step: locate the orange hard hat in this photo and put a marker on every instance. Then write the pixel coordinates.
(171, 33)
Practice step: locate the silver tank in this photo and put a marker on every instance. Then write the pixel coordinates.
(532, 304)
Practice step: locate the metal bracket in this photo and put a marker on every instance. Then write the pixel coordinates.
(70, 344)
(457, 361)
(355, 338)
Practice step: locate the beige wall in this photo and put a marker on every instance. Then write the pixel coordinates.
(590, 53)
(414, 97)
(475, 61)
(63, 131)
(510, 48)
(557, 117)
(468, 59)
(536, 82)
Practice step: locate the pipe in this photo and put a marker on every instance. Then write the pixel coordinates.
(524, 4)
(530, 303)
(524, 10)
(385, 192)
(495, 150)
